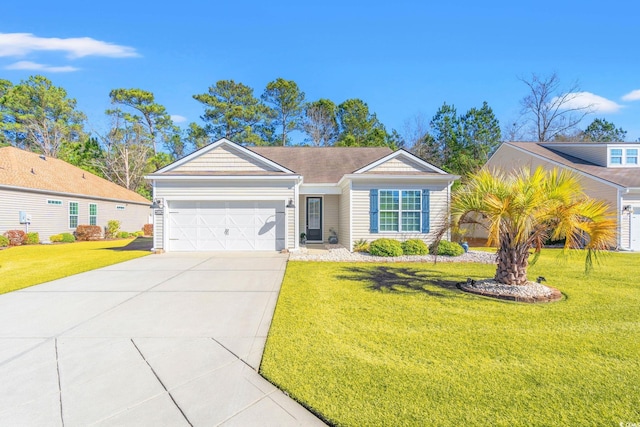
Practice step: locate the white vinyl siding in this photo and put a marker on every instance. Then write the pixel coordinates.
(360, 196)
(331, 216)
(49, 219)
(594, 153)
(227, 190)
(398, 165)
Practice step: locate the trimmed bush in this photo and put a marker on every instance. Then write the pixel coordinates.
(361, 246)
(447, 248)
(124, 235)
(147, 229)
(4, 242)
(56, 238)
(68, 238)
(112, 229)
(414, 247)
(16, 237)
(88, 232)
(385, 247)
(32, 239)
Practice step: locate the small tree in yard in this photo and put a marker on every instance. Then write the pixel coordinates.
(524, 209)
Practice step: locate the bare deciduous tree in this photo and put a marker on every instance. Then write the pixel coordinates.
(320, 122)
(549, 110)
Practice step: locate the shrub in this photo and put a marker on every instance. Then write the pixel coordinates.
(88, 232)
(414, 247)
(385, 247)
(147, 229)
(68, 238)
(16, 237)
(112, 229)
(361, 246)
(56, 238)
(123, 235)
(32, 239)
(447, 248)
(138, 233)
(4, 242)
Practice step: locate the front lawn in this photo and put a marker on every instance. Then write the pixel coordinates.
(24, 266)
(398, 344)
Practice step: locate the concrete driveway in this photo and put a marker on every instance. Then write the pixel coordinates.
(164, 340)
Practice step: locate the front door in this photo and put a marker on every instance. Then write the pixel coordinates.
(314, 219)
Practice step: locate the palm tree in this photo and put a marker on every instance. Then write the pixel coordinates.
(522, 210)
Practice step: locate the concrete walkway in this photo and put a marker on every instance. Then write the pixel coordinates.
(164, 340)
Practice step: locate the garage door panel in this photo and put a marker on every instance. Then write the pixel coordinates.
(227, 225)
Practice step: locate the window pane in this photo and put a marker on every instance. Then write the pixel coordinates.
(93, 209)
(388, 221)
(389, 200)
(73, 208)
(632, 156)
(73, 221)
(410, 221)
(411, 200)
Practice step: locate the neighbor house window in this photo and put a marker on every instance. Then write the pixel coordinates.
(120, 207)
(54, 202)
(400, 210)
(616, 156)
(73, 214)
(631, 156)
(93, 214)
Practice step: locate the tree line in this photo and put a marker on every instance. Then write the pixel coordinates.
(141, 137)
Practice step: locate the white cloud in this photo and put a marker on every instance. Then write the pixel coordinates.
(595, 103)
(21, 44)
(34, 66)
(178, 118)
(634, 95)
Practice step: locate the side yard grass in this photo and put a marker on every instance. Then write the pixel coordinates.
(24, 266)
(398, 344)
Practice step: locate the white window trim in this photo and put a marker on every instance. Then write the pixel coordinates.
(96, 215)
(76, 215)
(626, 156)
(400, 211)
(57, 202)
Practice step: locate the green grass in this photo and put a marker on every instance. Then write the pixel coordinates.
(398, 345)
(24, 266)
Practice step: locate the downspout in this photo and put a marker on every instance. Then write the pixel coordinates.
(296, 213)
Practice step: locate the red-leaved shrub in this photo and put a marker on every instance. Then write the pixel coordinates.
(16, 237)
(147, 229)
(88, 232)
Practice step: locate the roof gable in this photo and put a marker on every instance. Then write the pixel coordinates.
(400, 162)
(24, 169)
(223, 156)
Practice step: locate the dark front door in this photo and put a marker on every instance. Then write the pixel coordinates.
(314, 218)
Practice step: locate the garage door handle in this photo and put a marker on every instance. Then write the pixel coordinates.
(226, 232)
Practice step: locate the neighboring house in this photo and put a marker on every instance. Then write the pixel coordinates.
(608, 171)
(50, 196)
(229, 197)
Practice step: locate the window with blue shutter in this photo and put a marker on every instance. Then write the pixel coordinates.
(425, 211)
(373, 210)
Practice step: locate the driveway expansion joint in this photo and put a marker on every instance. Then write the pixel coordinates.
(161, 383)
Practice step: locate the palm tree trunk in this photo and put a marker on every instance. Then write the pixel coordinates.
(512, 265)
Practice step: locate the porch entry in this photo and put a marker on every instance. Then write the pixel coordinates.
(314, 219)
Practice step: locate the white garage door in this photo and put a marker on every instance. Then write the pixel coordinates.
(226, 226)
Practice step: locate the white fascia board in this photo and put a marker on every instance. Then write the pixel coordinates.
(546, 159)
(218, 143)
(226, 197)
(222, 178)
(71, 195)
(429, 178)
(632, 190)
(397, 153)
(320, 189)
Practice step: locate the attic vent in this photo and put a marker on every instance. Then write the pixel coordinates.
(42, 156)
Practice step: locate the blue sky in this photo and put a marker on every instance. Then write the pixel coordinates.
(403, 58)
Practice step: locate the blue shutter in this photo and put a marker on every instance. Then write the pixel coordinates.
(373, 210)
(425, 211)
